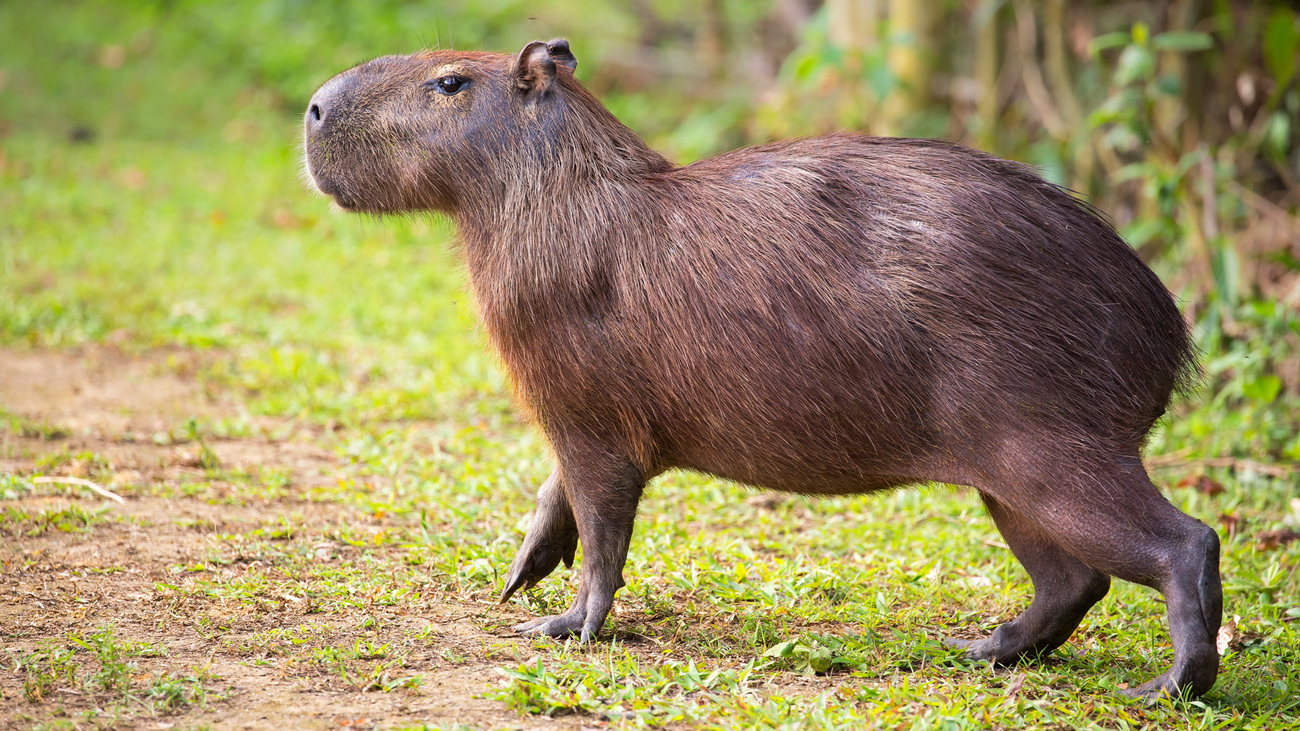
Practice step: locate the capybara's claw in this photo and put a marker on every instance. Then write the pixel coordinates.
(1172, 684)
(970, 646)
(987, 648)
(523, 574)
(515, 580)
(558, 626)
(552, 537)
(536, 559)
(1152, 691)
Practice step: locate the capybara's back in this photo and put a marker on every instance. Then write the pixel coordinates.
(828, 315)
(822, 315)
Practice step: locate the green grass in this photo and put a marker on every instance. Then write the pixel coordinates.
(180, 232)
(101, 665)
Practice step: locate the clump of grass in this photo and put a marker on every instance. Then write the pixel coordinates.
(72, 518)
(106, 670)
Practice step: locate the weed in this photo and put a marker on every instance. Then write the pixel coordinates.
(68, 519)
(106, 668)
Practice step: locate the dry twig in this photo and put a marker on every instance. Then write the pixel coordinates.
(84, 483)
(1274, 470)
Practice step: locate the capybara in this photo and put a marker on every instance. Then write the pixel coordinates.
(829, 315)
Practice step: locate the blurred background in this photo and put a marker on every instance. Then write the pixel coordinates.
(1177, 118)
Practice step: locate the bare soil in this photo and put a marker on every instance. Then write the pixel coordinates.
(57, 583)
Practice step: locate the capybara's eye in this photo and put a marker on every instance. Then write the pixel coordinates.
(449, 84)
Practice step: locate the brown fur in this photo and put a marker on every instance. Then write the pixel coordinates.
(829, 315)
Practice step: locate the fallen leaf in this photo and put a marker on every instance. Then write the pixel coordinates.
(1232, 523)
(1273, 539)
(1202, 484)
(1226, 633)
(1018, 682)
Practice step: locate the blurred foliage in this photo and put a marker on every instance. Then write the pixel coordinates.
(1179, 118)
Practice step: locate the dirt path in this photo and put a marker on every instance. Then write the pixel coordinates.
(164, 571)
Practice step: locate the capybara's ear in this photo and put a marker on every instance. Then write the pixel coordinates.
(558, 49)
(535, 67)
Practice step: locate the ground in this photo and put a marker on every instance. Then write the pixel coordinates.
(64, 582)
(235, 587)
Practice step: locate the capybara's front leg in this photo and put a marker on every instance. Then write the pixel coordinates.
(552, 537)
(603, 492)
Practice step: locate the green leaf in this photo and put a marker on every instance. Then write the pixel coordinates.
(806, 67)
(1278, 135)
(1143, 230)
(1264, 389)
(1106, 41)
(785, 649)
(1133, 171)
(1281, 41)
(1169, 85)
(1136, 63)
(820, 660)
(1227, 272)
(1183, 40)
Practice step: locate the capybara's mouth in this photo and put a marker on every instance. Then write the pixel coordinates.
(328, 187)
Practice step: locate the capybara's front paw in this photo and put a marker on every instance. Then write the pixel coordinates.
(984, 649)
(537, 558)
(559, 626)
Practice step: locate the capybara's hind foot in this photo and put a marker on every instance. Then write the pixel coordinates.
(1191, 676)
(552, 537)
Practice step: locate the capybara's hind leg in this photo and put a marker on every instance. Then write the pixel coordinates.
(1116, 521)
(1194, 606)
(1065, 588)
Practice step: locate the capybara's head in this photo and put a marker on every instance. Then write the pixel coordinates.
(394, 133)
(432, 129)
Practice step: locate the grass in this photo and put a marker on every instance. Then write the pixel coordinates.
(101, 665)
(741, 610)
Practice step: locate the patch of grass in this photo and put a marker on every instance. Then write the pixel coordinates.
(78, 464)
(106, 669)
(33, 428)
(13, 487)
(31, 522)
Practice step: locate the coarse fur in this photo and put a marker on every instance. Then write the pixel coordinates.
(828, 315)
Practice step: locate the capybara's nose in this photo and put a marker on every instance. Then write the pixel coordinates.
(324, 103)
(317, 111)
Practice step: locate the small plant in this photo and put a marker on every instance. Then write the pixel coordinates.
(174, 692)
(46, 670)
(207, 459)
(101, 665)
(69, 519)
(811, 656)
(42, 430)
